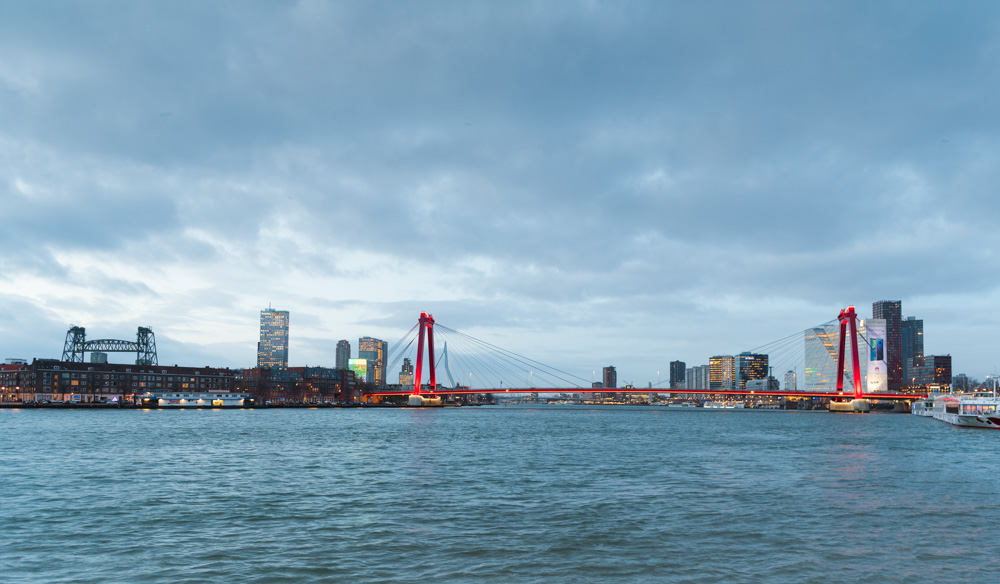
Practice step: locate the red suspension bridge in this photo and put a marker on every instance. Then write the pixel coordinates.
(519, 371)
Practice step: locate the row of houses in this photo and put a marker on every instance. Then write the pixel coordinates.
(51, 380)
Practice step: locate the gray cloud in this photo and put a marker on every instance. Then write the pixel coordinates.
(660, 168)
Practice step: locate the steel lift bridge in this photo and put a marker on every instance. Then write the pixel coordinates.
(77, 344)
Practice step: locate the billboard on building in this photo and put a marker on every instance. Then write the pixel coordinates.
(878, 360)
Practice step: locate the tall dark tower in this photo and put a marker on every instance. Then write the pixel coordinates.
(892, 312)
(913, 346)
(677, 371)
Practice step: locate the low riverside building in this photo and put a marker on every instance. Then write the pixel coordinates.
(299, 385)
(64, 381)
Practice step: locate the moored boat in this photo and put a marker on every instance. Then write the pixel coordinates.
(970, 411)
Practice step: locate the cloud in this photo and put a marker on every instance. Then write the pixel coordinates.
(542, 173)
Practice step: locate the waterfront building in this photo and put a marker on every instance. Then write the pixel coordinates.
(343, 354)
(791, 381)
(749, 366)
(406, 373)
(932, 370)
(892, 312)
(272, 349)
(912, 342)
(678, 373)
(721, 372)
(374, 351)
(69, 381)
(364, 371)
(299, 385)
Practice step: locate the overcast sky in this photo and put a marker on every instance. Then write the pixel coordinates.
(584, 183)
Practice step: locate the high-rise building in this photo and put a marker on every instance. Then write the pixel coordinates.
(791, 381)
(343, 354)
(677, 374)
(749, 366)
(912, 340)
(721, 372)
(406, 373)
(272, 349)
(610, 378)
(374, 350)
(892, 312)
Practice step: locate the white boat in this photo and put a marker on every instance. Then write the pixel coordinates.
(193, 399)
(925, 407)
(971, 411)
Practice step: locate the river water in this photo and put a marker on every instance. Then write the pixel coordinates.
(493, 494)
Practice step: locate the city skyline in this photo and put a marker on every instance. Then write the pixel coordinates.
(633, 184)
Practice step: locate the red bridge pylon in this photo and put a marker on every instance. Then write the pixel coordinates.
(846, 316)
(426, 323)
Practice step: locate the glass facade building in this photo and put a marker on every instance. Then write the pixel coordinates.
(721, 372)
(272, 349)
(374, 350)
(749, 366)
(821, 347)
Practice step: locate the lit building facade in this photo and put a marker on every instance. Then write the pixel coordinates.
(721, 372)
(363, 370)
(343, 354)
(374, 350)
(892, 312)
(749, 366)
(932, 370)
(272, 349)
(406, 373)
(678, 373)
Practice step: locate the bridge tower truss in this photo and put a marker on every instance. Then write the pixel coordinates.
(77, 344)
(426, 325)
(849, 316)
(145, 347)
(76, 338)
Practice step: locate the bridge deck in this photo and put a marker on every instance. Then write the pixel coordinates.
(453, 391)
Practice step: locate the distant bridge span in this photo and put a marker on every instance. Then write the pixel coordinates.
(520, 390)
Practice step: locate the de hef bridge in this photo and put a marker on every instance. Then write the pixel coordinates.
(491, 369)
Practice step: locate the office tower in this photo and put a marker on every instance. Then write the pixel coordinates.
(749, 366)
(721, 372)
(610, 378)
(677, 374)
(406, 373)
(374, 350)
(892, 312)
(791, 381)
(272, 349)
(343, 354)
(912, 340)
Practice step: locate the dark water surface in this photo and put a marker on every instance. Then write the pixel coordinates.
(548, 494)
